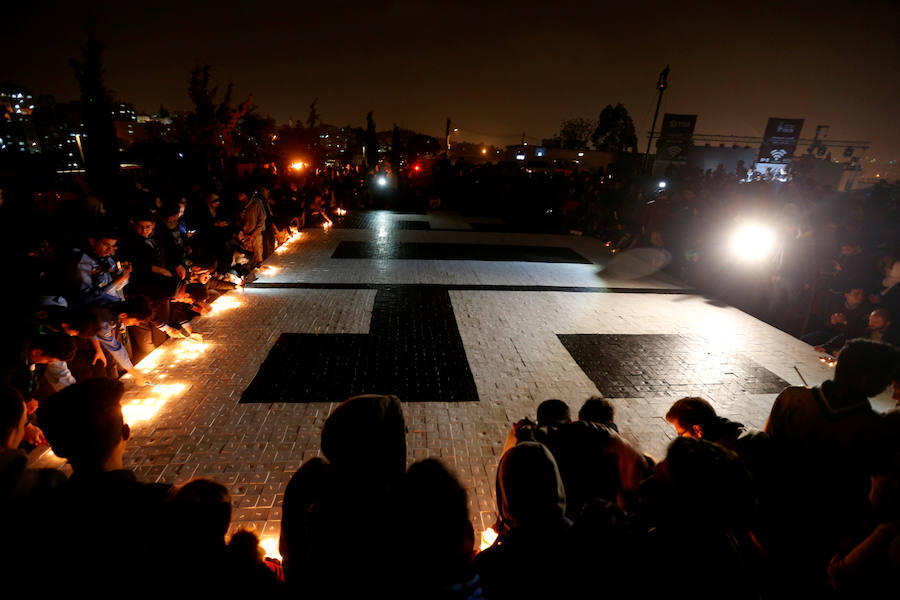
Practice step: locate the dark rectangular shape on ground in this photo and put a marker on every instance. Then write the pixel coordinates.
(654, 365)
(441, 251)
(413, 350)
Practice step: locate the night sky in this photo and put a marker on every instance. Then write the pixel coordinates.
(496, 68)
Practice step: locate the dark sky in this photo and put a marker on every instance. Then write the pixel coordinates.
(497, 68)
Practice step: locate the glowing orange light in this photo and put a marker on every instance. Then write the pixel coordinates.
(298, 166)
(327, 225)
(224, 303)
(417, 168)
(269, 545)
(143, 409)
(488, 537)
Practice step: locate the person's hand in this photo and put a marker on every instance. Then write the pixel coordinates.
(126, 273)
(220, 224)
(161, 271)
(34, 435)
(31, 405)
(838, 319)
(99, 357)
(181, 272)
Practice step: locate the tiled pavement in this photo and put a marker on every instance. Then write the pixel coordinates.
(513, 322)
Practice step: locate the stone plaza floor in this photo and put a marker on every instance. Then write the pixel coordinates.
(470, 324)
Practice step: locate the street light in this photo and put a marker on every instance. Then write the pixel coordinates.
(752, 243)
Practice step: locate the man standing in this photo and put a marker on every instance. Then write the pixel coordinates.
(251, 223)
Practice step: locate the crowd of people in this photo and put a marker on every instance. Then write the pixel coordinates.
(809, 507)
(99, 285)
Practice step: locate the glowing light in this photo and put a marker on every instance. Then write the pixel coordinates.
(143, 409)
(327, 225)
(189, 349)
(661, 185)
(224, 303)
(151, 361)
(298, 166)
(382, 181)
(488, 537)
(752, 242)
(417, 168)
(484, 150)
(341, 212)
(269, 545)
(268, 270)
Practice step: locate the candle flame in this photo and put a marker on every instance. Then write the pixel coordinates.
(488, 537)
(269, 545)
(224, 303)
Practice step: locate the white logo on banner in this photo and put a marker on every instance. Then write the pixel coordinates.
(673, 151)
(778, 153)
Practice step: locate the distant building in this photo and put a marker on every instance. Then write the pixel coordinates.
(17, 134)
(550, 158)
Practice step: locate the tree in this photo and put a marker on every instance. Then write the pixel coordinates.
(210, 128)
(396, 148)
(314, 118)
(101, 151)
(253, 135)
(615, 130)
(575, 133)
(371, 142)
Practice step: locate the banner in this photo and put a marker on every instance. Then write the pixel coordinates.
(780, 140)
(675, 136)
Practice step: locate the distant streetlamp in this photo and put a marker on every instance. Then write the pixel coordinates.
(661, 84)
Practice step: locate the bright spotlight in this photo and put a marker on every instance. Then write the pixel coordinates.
(297, 166)
(661, 185)
(382, 180)
(752, 242)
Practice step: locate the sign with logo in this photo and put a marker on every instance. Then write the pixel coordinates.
(675, 136)
(780, 140)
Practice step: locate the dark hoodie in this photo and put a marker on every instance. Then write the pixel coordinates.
(339, 527)
(531, 558)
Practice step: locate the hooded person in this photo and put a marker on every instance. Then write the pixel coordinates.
(535, 540)
(338, 529)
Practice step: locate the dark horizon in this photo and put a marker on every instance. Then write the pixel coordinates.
(498, 70)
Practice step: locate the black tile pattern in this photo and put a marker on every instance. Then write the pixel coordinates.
(474, 287)
(372, 220)
(438, 251)
(413, 349)
(643, 366)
